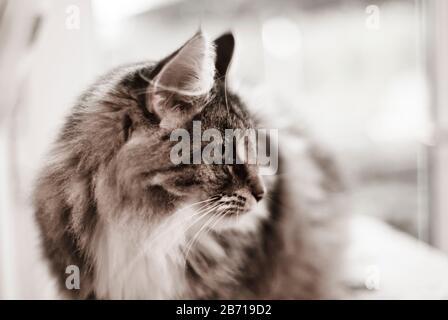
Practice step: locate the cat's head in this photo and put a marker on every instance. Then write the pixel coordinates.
(185, 89)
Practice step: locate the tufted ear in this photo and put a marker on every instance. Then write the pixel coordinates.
(224, 45)
(184, 77)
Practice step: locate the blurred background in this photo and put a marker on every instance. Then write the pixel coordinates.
(366, 78)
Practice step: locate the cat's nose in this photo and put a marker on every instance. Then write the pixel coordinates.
(257, 188)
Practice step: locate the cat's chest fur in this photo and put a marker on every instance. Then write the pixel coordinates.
(139, 261)
(130, 263)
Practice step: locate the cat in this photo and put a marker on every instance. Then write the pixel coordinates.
(110, 201)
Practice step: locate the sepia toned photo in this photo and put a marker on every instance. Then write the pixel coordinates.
(242, 150)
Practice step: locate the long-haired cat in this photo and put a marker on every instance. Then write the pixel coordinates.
(111, 202)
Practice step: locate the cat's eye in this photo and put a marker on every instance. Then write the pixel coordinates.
(240, 171)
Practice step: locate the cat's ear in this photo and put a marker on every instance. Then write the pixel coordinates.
(224, 45)
(183, 78)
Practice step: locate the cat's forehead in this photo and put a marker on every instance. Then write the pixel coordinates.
(226, 111)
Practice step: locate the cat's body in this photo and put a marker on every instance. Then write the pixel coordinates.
(110, 202)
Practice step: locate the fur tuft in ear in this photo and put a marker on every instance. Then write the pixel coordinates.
(188, 75)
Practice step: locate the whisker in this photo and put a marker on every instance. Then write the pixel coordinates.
(203, 226)
(218, 214)
(202, 212)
